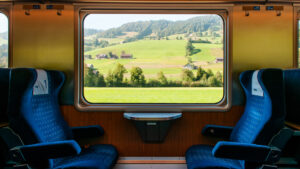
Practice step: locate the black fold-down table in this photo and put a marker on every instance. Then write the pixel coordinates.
(152, 127)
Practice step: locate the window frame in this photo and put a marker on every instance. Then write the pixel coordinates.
(6, 9)
(296, 35)
(223, 10)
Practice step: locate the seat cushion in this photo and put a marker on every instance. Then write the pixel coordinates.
(200, 156)
(94, 157)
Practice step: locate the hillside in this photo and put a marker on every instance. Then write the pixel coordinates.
(164, 28)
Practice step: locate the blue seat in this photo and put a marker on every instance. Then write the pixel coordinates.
(249, 144)
(4, 84)
(292, 82)
(34, 114)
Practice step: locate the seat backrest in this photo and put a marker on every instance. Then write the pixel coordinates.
(33, 106)
(4, 85)
(292, 94)
(264, 110)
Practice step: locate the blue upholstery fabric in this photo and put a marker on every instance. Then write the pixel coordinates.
(4, 85)
(292, 91)
(36, 116)
(263, 117)
(95, 157)
(200, 156)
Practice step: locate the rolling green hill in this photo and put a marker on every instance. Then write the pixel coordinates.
(154, 56)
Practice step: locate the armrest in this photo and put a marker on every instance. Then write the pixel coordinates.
(87, 131)
(217, 131)
(49, 150)
(244, 151)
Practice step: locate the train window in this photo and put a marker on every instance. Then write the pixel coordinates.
(153, 59)
(3, 40)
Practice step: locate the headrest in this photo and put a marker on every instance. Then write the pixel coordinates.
(256, 88)
(41, 85)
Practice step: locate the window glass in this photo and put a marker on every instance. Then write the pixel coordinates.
(3, 41)
(153, 58)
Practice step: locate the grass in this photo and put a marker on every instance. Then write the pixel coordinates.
(153, 95)
(154, 56)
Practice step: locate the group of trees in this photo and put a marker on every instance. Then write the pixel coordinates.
(115, 78)
(202, 78)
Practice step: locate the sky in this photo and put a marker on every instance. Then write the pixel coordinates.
(107, 21)
(3, 23)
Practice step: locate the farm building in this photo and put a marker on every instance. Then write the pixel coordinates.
(190, 66)
(219, 60)
(102, 56)
(125, 56)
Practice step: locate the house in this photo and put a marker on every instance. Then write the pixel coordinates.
(125, 56)
(102, 56)
(219, 60)
(190, 66)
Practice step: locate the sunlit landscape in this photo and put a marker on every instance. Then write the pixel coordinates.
(163, 60)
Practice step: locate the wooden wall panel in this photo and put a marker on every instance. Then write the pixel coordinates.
(122, 133)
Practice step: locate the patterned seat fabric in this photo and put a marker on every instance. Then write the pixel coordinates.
(262, 119)
(35, 115)
(200, 156)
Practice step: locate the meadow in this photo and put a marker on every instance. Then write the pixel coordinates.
(153, 95)
(154, 56)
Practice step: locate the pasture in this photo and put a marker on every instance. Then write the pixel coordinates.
(153, 95)
(154, 56)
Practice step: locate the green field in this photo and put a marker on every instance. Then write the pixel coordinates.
(153, 95)
(154, 56)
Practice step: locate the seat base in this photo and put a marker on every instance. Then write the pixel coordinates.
(200, 157)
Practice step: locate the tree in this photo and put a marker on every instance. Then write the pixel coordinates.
(189, 48)
(96, 43)
(162, 78)
(137, 77)
(89, 78)
(110, 54)
(200, 73)
(219, 76)
(209, 73)
(187, 75)
(99, 81)
(110, 79)
(115, 78)
(118, 74)
(213, 82)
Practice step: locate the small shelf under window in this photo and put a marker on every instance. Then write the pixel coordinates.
(152, 127)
